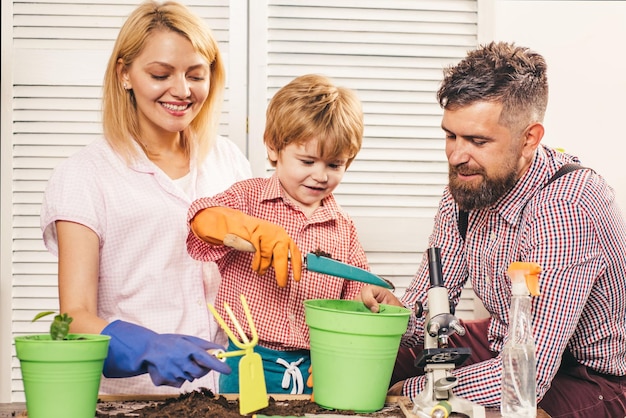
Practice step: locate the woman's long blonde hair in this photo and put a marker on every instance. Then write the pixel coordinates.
(119, 111)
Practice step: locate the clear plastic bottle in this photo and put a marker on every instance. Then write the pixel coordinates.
(519, 397)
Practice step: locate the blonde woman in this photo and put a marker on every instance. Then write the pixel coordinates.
(115, 212)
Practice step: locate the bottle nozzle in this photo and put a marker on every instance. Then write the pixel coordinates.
(525, 274)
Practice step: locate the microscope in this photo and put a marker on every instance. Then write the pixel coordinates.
(437, 358)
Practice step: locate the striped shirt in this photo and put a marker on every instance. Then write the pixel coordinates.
(278, 313)
(574, 230)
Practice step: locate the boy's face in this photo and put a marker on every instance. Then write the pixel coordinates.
(305, 177)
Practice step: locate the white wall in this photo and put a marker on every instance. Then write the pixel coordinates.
(584, 43)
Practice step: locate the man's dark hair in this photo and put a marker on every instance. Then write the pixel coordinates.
(499, 72)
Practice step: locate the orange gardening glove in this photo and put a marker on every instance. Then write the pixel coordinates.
(309, 381)
(273, 246)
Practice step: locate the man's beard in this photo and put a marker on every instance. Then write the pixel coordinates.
(485, 194)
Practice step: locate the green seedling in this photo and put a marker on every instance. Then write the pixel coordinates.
(60, 326)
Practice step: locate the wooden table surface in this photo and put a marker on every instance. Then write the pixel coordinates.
(19, 409)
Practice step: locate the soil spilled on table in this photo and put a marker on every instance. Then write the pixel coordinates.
(204, 404)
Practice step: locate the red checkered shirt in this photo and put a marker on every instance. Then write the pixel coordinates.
(574, 230)
(278, 313)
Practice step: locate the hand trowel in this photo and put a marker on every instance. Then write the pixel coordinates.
(320, 264)
(326, 265)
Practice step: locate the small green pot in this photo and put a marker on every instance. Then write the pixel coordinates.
(61, 378)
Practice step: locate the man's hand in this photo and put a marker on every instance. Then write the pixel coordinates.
(372, 296)
(273, 246)
(396, 389)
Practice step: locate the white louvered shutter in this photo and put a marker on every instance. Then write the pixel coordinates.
(60, 54)
(392, 53)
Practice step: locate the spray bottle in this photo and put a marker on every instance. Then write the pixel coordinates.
(519, 372)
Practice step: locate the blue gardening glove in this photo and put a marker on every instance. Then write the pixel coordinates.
(171, 359)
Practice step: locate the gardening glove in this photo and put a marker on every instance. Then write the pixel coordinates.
(170, 359)
(272, 245)
(309, 381)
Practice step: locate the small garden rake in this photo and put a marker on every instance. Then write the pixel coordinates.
(252, 388)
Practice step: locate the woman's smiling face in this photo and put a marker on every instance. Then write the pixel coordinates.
(170, 82)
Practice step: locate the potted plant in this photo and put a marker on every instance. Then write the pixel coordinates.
(61, 371)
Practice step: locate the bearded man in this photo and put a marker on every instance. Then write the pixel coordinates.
(509, 199)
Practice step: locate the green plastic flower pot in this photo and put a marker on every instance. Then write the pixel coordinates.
(353, 352)
(61, 378)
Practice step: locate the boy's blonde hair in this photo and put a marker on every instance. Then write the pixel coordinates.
(119, 110)
(312, 107)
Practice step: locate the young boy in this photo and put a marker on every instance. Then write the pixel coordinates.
(313, 132)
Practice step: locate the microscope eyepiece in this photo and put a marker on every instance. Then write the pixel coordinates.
(434, 267)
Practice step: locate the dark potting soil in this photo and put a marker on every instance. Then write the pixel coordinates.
(204, 404)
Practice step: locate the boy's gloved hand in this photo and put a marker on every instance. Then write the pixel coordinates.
(273, 245)
(171, 359)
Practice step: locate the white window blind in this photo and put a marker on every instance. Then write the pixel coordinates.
(390, 51)
(60, 52)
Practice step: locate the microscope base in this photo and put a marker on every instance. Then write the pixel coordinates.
(439, 385)
(424, 409)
